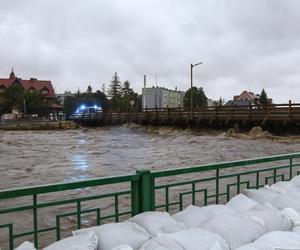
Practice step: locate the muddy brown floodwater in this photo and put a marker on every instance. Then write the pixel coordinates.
(40, 157)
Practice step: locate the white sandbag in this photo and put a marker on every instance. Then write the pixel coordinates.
(236, 229)
(26, 246)
(273, 219)
(253, 246)
(194, 216)
(157, 223)
(296, 181)
(115, 234)
(286, 201)
(190, 239)
(87, 241)
(123, 247)
(285, 187)
(262, 195)
(291, 214)
(275, 240)
(279, 240)
(162, 242)
(294, 218)
(241, 202)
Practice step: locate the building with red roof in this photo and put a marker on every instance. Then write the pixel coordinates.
(44, 87)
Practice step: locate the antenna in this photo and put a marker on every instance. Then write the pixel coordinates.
(103, 88)
(156, 79)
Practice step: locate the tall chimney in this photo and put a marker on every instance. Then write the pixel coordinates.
(144, 81)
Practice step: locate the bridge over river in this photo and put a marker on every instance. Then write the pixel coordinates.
(275, 116)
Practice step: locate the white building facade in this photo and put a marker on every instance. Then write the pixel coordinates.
(158, 97)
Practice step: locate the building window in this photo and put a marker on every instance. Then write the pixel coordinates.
(45, 91)
(2, 89)
(31, 90)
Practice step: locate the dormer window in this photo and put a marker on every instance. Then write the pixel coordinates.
(31, 89)
(2, 88)
(44, 91)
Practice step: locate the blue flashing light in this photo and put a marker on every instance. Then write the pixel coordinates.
(95, 106)
(82, 107)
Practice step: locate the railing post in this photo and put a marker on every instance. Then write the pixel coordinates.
(142, 192)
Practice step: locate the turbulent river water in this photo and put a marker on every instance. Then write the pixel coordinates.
(41, 157)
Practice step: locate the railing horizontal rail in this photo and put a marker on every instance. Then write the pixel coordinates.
(215, 166)
(56, 187)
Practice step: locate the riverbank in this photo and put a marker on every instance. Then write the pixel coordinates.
(37, 125)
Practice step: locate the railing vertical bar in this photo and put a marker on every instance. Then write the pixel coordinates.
(167, 198)
(35, 222)
(228, 193)
(180, 202)
(205, 197)
(57, 228)
(274, 175)
(78, 214)
(257, 180)
(238, 184)
(98, 218)
(116, 208)
(291, 168)
(193, 193)
(217, 185)
(11, 236)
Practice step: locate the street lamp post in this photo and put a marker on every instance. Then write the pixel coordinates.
(192, 66)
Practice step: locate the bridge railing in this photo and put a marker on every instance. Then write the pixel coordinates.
(47, 213)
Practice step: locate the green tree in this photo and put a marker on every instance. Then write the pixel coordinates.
(219, 103)
(263, 98)
(89, 89)
(115, 89)
(12, 98)
(199, 98)
(126, 90)
(34, 103)
(115, 92)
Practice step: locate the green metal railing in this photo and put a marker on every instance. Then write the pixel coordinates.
(116, 198)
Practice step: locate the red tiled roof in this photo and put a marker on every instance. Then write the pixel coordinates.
(38, 85)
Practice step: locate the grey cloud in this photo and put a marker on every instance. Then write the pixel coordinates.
(243, 44)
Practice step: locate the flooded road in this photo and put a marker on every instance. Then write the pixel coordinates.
(40, 157)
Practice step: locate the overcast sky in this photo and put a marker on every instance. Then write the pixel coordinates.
(243, 45)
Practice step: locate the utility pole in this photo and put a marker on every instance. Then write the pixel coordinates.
(24, 107)
(192, 66)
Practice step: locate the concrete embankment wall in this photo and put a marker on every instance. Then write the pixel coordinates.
(45, 125)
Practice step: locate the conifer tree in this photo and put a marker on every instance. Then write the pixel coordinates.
(115, 89)
(263, 99)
